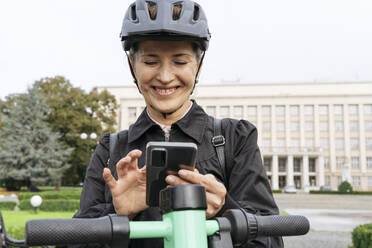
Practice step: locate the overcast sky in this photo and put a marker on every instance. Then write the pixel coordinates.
(252, 41)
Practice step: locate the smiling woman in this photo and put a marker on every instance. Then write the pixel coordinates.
(166, 51)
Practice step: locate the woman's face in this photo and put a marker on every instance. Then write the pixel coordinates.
(165, 71)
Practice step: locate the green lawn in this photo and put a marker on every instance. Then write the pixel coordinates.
(19, 218)
(15, 221)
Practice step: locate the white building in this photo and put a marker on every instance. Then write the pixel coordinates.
(310, 134)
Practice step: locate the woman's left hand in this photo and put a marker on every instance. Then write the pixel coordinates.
(215, 191)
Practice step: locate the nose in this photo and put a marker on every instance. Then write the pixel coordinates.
(165, 74)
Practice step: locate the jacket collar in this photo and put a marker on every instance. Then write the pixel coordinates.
(192, 124)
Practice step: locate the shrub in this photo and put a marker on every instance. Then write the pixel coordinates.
(341, 193)
(52, 195)
(277, 191)
(362, 236)
(7, 205)
(52, 205)
(345, 186)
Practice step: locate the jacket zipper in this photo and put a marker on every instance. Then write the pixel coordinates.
(166, 136)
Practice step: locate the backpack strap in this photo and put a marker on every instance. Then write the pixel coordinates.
(218, 142)
(113, 141)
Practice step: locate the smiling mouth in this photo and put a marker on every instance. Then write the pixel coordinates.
(165, 92)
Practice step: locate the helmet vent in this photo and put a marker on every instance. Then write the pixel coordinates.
(196, 12)
(177, 8)
(133, 13)
(151, 6)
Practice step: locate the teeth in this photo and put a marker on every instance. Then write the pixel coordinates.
(165, 91)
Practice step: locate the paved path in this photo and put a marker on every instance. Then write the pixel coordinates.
(332, 218)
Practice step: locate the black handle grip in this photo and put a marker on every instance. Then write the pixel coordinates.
(282, 225)
(110, 229)
(246, 226)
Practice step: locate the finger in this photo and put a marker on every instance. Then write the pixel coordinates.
(109, 179)
(175, 180)
(215, 201)
(194, 177)
(134, 155)
(122, 166)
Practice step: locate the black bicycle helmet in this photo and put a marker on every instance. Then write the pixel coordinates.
(139, 24)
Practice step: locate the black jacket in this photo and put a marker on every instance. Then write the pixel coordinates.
(247, 184)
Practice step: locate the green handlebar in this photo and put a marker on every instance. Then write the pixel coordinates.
(181, 229)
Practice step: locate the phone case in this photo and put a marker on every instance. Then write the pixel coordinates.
(162, 159)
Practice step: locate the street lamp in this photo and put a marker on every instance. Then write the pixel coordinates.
(85, 136)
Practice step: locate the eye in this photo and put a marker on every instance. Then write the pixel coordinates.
(180, 62)
(150, 62)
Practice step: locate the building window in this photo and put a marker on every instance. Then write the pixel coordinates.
(282, 165)
(297, 164)
(309, 143)
(324, 143)
(132, 112)
(295, 143)
(354, 125)
(354, 143)
(280, 126)
(266, 110)
(326, 162)
(267, 126)
(312, 165)
(280, 143)
(267, 143)
(339, 126)
(353, 109)
(238, 111)
(339, 180)
(370, 181)
(309, 126)
(356, 180)
(339, 143)
(294, 126)
(211, 110)
(252, 110)
(340, 162)
(323, 109)
(355, 162)
(327, 180)
(368, 109)
(368, 125)
(369, 143)
(338, 109)
(267, 164)
(323, 126)
(369, 162)
(295, 110)
(280, 110)
(309, 110)
(225, 111)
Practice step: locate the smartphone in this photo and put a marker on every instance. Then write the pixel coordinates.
(162, 159)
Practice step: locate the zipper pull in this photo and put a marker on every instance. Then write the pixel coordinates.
(166, 135)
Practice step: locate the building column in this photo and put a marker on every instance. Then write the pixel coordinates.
(275, 177)
(362, 141)
(305, 170)
(320, 170)
(290, 180)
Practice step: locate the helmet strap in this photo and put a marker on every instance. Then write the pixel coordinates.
(197, 73)
(131, 71)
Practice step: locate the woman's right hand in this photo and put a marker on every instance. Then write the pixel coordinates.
(129, 191)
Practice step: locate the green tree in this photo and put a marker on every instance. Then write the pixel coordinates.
(345, 187)
(30, 151)
(74, 112)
